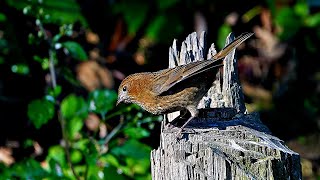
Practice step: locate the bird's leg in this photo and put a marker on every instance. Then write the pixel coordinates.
(194, 113)
(184, 125)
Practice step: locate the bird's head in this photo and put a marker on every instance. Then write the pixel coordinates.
(130, 88)
(123, 95)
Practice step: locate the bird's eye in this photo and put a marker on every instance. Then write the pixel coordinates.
(124, 89)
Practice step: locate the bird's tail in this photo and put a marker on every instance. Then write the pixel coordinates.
(231, 46)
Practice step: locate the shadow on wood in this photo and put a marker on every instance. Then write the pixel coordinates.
(224, 142)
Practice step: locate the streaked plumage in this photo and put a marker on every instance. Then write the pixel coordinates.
(177, 88)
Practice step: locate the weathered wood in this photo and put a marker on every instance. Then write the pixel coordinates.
(224, 142)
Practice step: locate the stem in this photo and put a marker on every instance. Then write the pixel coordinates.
(51, 54)
(117, 113)
(52, 69)
(114, 131)
(67, 145)
(54, 85)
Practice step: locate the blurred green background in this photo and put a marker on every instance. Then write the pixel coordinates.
(62, 61)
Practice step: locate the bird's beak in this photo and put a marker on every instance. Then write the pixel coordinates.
(119, 101)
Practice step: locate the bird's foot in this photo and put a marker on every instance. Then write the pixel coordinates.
(179, 134)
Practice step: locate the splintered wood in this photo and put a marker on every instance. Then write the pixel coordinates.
(224, 142)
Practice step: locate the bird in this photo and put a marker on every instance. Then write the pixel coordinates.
(175, 89)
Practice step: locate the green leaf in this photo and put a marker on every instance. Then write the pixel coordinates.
(136, 156)
(40, 111)
(102, 101)
(111, 172)
(20, 69)
(75, 50)
(289, 22)
(132, 148)
(75, 156)
(134, 13)
(223, 32)
(57, 153)
(25, 169)
(313, 20)
(28, 143)
(1, 60)
(91, 153)
(55, 92)
(138, 166)
(2, 17)
(72, 106)
(158, 31)
(74, 126)
(110, 159)
(82, 144)
(136, 132)
(52, 11)
(301, 9)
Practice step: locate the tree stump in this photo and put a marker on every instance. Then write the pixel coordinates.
(224, 142)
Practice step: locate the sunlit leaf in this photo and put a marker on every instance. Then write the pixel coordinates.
(75, 156)
(313, 20)
(40, 112)
(138, 166)
(223, 32)
(136, 156)
(74, 125)
(301, 9)
(81, 144)
(72, 106)
(57, 153)
(75, 50)
(102, 101)
(110, 159)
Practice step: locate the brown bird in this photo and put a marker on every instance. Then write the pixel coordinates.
(174, 89)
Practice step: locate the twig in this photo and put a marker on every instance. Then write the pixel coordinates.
(114, 131)
(54, 85)
(51, 56)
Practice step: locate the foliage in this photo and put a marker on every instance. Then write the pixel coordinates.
(86, 152)
(62, 49)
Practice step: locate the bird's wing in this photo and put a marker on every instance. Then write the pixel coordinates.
(169, 77)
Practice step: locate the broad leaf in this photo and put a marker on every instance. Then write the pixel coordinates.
(102, 101)
(136, 132)
(75, 50)
(40, 111)
(74, 126)
(72, 106)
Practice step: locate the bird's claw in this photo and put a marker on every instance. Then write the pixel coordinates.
(179, 134)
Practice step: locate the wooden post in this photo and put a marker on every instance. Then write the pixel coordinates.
(224, 142)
